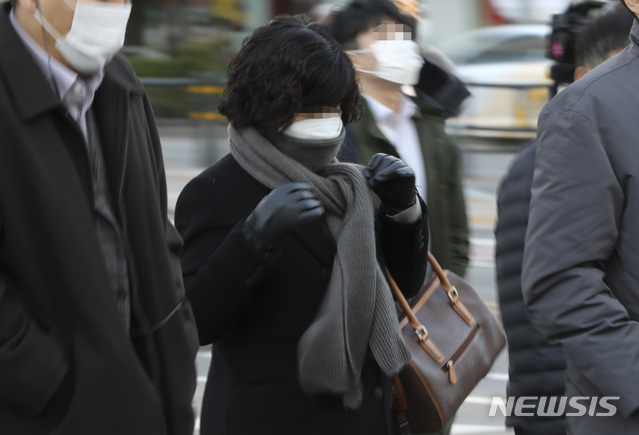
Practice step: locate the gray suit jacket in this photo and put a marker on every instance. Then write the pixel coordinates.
(581, 261)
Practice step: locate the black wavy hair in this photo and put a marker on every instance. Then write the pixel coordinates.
(282, 67)
(360, 15)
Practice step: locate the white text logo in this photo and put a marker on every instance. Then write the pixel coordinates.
(528, 406)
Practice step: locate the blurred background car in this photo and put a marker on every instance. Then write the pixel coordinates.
(507, 72)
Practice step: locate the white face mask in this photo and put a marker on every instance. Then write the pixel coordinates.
(397, 61)
(316, 128)
(96, 35)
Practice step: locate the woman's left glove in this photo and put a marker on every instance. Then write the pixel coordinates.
(393, 181)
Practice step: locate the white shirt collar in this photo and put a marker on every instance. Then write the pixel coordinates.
(383, 114)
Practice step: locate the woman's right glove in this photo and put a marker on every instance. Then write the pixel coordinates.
(280, 212)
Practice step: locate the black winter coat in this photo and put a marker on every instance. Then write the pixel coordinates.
(255, 309)
(67, 365)
(535, 367)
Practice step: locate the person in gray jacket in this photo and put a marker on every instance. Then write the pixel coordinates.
(580, 277)
(536, 368)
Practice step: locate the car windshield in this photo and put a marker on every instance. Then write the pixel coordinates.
(485, 46)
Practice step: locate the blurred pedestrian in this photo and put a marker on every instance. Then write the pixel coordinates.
(282, 262)
(378, 39)
(437, 86)
(95, 334)
(535, 368)
(579, 279)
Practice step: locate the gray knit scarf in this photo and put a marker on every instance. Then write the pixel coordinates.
(357, 311)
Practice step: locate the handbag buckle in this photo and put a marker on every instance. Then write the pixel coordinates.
(422, 333)
(453, 295)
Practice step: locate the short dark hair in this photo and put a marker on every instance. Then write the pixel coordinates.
(361, 15)
(605, 34)
(284, 66)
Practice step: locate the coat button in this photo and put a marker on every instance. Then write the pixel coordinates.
(421, 246)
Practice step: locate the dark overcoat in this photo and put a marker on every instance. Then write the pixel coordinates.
(67, 365)
(255, 308)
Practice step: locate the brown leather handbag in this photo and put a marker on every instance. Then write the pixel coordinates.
(453, 339)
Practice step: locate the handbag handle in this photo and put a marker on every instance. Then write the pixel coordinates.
(451, 292)
(420, 330)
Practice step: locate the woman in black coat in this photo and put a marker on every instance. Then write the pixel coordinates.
(284, 252)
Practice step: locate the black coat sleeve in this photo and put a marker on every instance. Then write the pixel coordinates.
(405, 249)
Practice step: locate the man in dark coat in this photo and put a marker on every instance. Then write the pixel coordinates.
(579, 276)
(535, 367)
(95, 334)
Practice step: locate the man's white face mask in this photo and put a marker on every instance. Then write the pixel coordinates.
(96, 35)
(398, 60)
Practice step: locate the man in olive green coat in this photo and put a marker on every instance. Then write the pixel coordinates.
(377, 38)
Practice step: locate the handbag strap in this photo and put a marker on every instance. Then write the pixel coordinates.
(451, 292)
(420, 330)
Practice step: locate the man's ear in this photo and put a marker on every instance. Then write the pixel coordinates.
(633, 5)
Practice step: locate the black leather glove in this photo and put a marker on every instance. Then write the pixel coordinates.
(280, 212)
(393, 181)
